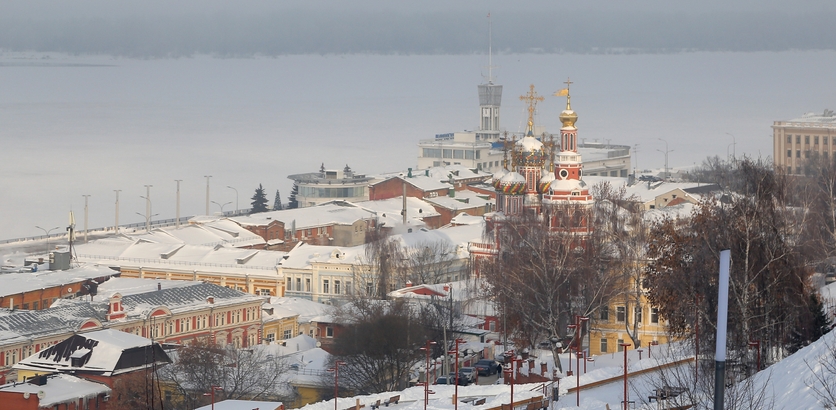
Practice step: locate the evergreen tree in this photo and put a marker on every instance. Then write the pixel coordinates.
(291, 200)
(277, 203)
(259, 202)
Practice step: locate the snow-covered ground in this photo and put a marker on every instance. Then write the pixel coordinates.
(796, 382)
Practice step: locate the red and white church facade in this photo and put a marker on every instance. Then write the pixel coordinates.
(539, 180)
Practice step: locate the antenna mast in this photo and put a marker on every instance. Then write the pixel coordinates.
(490, 49)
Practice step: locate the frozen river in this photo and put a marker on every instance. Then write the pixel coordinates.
(73, 126)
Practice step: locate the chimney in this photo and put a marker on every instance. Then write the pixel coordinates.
(409, 283)
(159, 286)
(210, 300)
(544, 369)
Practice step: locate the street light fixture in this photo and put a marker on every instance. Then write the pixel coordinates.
(336, 370)
(221, 205)
(426, 349)
(236, 197)
(148, 209)
(212, 394)
(46, 233)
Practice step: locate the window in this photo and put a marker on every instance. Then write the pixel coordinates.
(329, 331)
(789, 153)
(307, 285)
(807, 154)
(337, 287)
(348, 289)
(286, 334)
(798, 139)
(603, 345)
(789, 140)
(620, 342)
(264, 292)
(369, 288)
(798, 153)
(806, 139)
(825, 140)
(605, 316)
(326, 288)
(654, 315)
(298, 284)
(270, 337)
(816, 140)
(620, 313)
(35, 305)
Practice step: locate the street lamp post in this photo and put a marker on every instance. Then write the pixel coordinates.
(624, 347)
(236, 197)
(666, 151)
(86, 197)
(221, 205)
(578, 377)
(733, 145)
(455, 352)
(46, 233)
(757, 345)
(336, 370)
(177, 214)
(575, 328)
(207, 192)
(147, 207)
(116, 224)
(212, 394)
(512, 375)
(426, 349)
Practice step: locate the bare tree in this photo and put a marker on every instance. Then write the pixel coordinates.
(250, 373)
(431, 262)
(379, 344)
(546, 273)
(768, 286)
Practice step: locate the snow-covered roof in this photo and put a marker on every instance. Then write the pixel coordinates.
(181, 256)
(415, 210)
(14, 283)
(462, 200)
(457, 237)
(304, 255)
(308, 311)
(465, 219)
(243, 405)
(331, 213)
(20, 326)
(59, 389)
(108, 352)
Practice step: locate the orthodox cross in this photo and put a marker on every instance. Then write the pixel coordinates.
(531, 98)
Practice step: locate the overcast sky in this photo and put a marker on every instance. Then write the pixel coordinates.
(158, 28)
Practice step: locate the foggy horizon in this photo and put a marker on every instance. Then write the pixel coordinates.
(154, 30)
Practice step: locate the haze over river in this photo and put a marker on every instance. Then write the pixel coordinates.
(71, 126)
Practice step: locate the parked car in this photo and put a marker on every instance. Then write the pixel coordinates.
(486, 367)
(470, 373)
(451, 378)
